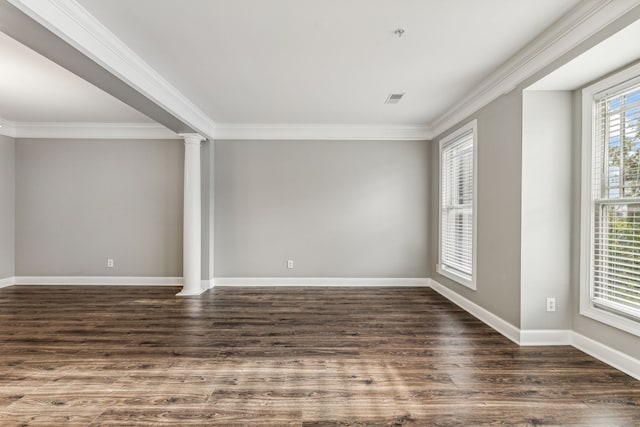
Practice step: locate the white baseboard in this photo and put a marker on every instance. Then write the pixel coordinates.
(602, 352)
(98, 280)
(200, 291)
(606, 354)
(533, 337)
(497, 323)
(319, 281)
(9, 281)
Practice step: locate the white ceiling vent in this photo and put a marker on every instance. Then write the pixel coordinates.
(394, 98)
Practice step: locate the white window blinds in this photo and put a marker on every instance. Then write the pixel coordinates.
(615, 283)
(456, 205)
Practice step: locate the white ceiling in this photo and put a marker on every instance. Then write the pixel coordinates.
(324, 61)
(34, 89)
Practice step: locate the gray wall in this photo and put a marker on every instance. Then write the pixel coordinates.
(79, 202)
(498, 208)
(546, 209)
(337, 208)
(7, 207)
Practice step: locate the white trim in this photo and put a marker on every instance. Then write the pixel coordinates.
(497, 323)
(582, 22)
(319, 281)
(606, 354)
(75, 25)
(85, 130)
(545, 337)
(450, 138)
(319, 132)
(602, 352)
(68, 130)
(588, 114)
(93, 131)
(98, 280)
(7, 128)
(194, 292)
(8, 281)
(70, 21)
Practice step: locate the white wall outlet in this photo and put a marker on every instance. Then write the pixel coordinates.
(290, 263)
(551, 304)
(110, 263)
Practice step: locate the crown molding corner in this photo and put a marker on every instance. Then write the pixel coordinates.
(76, 26)
(7, 128)
(575, 27)
(322, 132)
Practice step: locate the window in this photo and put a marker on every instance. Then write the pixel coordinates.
(456, 258)
(610, 275)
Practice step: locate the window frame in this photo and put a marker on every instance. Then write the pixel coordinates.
(450, 139)
(614, 83)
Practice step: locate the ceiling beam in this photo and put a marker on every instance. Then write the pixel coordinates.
(50, 28)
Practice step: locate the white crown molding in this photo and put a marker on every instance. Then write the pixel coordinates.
(92, 131)
(582, 22)
(70, 21)
(7, 128)
(319, 281)
(98, 280)
(75, 25)
(320, 132)
(82, 130)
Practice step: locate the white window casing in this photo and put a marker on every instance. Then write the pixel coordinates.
(610, 201)
(457, 205)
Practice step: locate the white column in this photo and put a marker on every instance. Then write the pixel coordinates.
(191, 255)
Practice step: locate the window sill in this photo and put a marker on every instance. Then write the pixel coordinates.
(464, 281)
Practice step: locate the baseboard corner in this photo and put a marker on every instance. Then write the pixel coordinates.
(7, 281)
(545, 337)
(499, 324)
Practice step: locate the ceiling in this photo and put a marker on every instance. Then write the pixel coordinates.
(325, 61)
(312, 61)
(34, 89)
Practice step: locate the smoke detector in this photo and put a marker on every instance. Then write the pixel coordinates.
(394, 98)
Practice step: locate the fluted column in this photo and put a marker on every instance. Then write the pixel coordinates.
(191, 255)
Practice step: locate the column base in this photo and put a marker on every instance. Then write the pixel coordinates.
(184, 293)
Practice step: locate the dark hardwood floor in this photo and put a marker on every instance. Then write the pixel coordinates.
(285, 356)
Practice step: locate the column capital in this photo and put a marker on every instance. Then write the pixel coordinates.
(192, 138)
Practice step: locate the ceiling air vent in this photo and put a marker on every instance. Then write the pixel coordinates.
(394, 98)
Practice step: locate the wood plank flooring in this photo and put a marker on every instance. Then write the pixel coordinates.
(92, 356)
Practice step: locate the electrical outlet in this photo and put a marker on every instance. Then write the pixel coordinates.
(290, 263)
(110, 263)
(551, 304)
